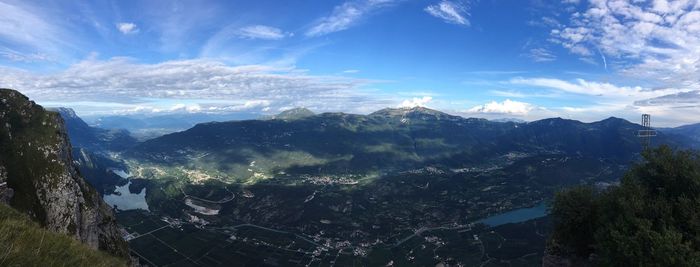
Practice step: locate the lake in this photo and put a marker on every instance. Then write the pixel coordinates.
(124, 199)
(516, 216)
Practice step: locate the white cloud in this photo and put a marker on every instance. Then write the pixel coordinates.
(658, 43)
(450, 11)
(127, 28)
(346, 15)
(416, 102)
(205, 83)
(508, 106)
(261, 32)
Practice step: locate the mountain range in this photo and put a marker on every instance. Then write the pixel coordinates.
(691, 130)
(385, 141)
(350, 178)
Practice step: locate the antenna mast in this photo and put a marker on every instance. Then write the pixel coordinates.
(647, 132)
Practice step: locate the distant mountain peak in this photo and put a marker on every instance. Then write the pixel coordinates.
(71, 119)
(65, 112)
(411, 112)
(611, 119)
(293, 114)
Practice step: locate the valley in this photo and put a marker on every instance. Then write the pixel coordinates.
(184, 244)
(369, 190)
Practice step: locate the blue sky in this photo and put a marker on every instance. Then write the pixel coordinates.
(528, 59)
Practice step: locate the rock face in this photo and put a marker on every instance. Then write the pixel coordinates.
(37, 166)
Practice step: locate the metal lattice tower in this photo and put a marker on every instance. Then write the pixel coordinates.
(647, 132)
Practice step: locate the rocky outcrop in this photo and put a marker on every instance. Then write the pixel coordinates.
(36, 164)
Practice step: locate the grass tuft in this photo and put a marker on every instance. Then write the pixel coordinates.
(25, 243)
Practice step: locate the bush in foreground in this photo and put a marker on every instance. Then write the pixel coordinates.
(651, 219)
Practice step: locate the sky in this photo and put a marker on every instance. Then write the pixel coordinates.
(524, 59)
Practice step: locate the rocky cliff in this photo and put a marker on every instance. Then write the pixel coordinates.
(40, 179)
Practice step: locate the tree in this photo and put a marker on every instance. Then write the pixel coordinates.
(575, 216)
(651, 218)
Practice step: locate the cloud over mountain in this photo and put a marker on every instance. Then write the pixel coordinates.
(416, 102)
(508, 106)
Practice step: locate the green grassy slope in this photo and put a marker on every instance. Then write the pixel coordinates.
(25, 243)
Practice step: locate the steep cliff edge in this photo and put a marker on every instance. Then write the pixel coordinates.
(37, 167)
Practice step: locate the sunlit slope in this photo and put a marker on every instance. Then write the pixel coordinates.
(382, 142)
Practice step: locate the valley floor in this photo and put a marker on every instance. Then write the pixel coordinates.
(167, 242)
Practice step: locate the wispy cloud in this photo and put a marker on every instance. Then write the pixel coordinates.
(346, 15)
(519, 94)
(450, 11)
(541, 55)
(127, 28)
(178, 25)
(26, 35)
(262, 32)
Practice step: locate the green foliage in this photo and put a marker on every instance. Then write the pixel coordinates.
(651, 218)
(575, 213)
(24, 243)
